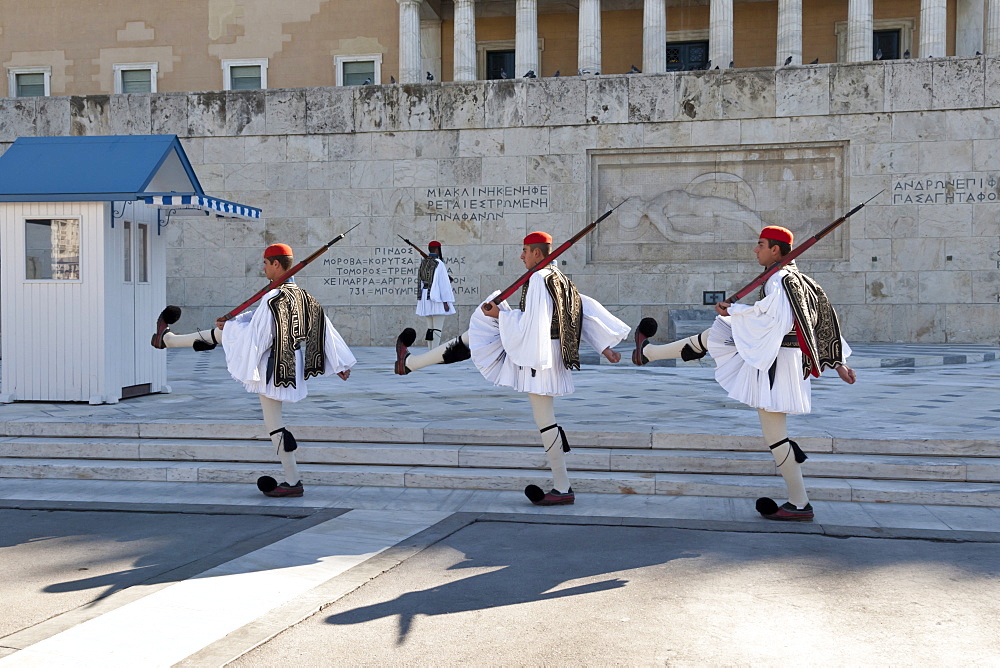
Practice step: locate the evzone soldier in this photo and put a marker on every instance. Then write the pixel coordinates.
(759, 359)
(435, 298)
(273, 350)
(532, 349)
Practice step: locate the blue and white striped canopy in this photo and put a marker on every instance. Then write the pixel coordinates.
(209, 205)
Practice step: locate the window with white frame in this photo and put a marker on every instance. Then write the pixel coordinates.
(359, 70)
(28, 81)
(135, 77)
(246, 74)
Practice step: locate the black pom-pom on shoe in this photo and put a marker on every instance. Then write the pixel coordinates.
(766, 506)
(266, 484)
(647, 327)
(534, 493)
(171, 314)
(407, 337)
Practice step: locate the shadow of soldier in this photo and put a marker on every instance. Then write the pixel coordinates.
(523, 563)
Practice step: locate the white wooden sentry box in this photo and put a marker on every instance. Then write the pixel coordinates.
(82, 262)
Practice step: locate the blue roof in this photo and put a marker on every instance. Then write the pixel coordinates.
(104, 168)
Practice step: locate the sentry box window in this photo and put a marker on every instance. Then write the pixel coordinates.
(52, 249)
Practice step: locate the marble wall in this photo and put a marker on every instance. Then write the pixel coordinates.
(706, 157)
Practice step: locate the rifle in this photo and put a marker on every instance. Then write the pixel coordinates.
(554, 254)
(284, 276)
(425, 255)
(797, 251)
(415, 247)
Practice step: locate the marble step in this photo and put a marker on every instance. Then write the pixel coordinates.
(118, 442)
(972, 469)
(606, 482)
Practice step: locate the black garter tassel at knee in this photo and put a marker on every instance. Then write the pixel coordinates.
(287, 440)
(456, 351)
(799, 455)
(562, 435)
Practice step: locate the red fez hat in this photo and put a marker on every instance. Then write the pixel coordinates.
(538, 238)
(274, 250)
(776, 233)
(434, 244)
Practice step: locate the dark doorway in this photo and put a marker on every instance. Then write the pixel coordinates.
(500, 63)
(886, 41)
(683, 56)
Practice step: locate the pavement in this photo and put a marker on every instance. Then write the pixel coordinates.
(230, 607)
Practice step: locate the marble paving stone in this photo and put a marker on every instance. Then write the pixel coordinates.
(82, 469)
(173, 623)
(926, 447)
(959, 518)
(693, 461)
(506, 479)
(683, 484)
(910, 517)
(39, 448)
(312, 474)
(77, 429)
(941, 493)
(578, 459)
(842, 514)
(983, 470)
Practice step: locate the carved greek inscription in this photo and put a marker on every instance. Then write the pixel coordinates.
(483, 203)
(389, 272)
(946, 189)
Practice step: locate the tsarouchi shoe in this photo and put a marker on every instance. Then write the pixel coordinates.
(286, 490)
(646, 329)
(786, 512)
(403, 343)
(553, 498)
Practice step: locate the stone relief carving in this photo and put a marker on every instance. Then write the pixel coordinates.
(698, 205)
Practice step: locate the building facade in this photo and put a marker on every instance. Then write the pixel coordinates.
(705, 157)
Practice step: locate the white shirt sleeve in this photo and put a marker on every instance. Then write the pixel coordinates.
(441, 286)
(600, 328)
(247, 340)
(759, 329)
(525, 335)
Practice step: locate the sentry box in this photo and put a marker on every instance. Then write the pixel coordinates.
(82, 262)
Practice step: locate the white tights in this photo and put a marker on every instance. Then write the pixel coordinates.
(434, 323)
(171, 340)
(672, 351)
(273, 422)
(434, 355)
(543, 408)
(773, 427)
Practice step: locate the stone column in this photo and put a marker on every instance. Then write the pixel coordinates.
(526, 39)
(589, 47)
(859, 31)
(430, 48)
(789, 32)
(933, 25)
(969, 27)
(409, 41)
(720, 33)
(991, 36)
(654, 36)
(465, 40)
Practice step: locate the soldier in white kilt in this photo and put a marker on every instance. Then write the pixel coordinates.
(532, 349)
(758, 353)
(273, 351)
(435, 298)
